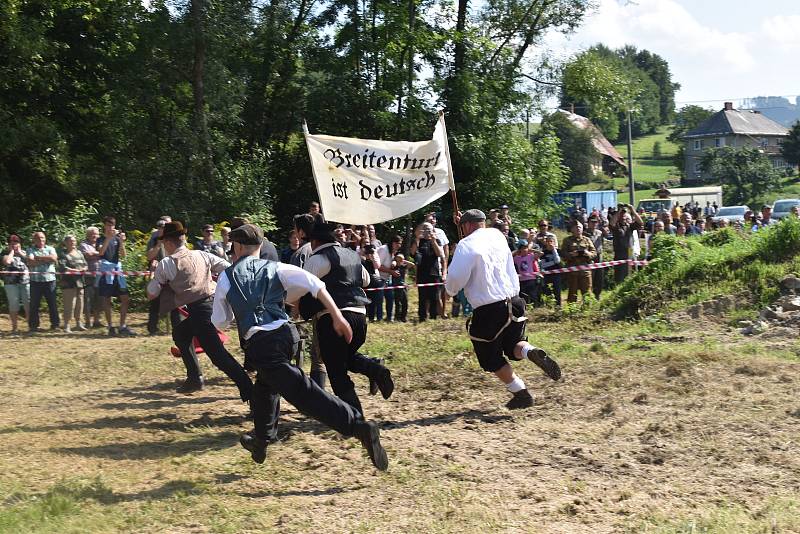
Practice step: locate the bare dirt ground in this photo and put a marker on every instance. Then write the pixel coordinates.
(647, 432)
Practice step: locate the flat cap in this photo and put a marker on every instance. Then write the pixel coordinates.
(247, 234)
(473, 216)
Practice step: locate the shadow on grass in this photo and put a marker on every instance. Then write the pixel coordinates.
(299, 493)
(154, 450)
(158, 421)
(481, 416)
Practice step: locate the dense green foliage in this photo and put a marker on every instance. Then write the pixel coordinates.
(194, 108)
(604, 84)
(791, 145)
(746, 174)
(724, 262)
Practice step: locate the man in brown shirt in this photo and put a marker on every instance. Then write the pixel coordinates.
(187, 275)
(576, 250)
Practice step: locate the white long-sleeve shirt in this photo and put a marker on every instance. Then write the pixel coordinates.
(295, 280)
(483, 267)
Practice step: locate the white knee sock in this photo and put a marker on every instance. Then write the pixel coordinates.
(516, 384)
(525, 349)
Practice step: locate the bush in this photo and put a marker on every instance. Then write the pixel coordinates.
(684, 271)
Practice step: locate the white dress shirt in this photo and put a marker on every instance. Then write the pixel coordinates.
(295, 280)
(483, 267)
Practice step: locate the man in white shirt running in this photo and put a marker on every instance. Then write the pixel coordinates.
(483, 267)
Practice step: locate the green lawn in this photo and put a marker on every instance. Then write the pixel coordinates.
(645, 167)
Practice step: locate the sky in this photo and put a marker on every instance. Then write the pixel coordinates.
(717, 50)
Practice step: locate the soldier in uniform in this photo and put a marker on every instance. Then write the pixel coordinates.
(597, 236)
(576, 250)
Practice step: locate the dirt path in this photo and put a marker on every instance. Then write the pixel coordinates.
(630, 443)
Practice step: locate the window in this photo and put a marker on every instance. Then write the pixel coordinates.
(697, 145)
(764, 141)
(719, 142)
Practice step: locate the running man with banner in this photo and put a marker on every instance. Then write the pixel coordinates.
(482, 266)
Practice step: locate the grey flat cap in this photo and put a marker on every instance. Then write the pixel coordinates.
(473, 216)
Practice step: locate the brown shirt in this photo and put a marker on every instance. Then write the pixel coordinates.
(581, 244)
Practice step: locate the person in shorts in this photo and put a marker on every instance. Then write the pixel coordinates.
(16, 284)
(111, 248)
(497, 326)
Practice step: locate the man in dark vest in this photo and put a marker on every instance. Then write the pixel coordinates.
(255, 292)
(345, 277)
(184, 277)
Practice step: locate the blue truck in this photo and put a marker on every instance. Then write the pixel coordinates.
(570, 201)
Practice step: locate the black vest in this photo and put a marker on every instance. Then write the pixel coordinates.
(343, 281)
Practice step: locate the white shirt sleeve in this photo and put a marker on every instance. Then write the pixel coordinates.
(318, 265)
(460, 270)
(164, 274)
(215, 263)
(296, 281)
(222, 313)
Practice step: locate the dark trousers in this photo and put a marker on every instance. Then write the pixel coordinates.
(198, 325)
(621, 272)
(375, 306)
(340, 356)
(428, 299)
(388, 298)
(400, 304)
(48, 291)
(152, 316)
(552, 286)
(529, 290)
(598, 279)
(270, 354)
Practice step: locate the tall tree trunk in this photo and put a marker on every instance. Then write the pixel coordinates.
(412, 16)
(198, 17)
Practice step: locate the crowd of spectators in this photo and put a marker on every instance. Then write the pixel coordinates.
(619, 233)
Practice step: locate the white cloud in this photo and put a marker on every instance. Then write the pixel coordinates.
(710, 62)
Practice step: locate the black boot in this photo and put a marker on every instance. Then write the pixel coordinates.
(370, 436)
(190, 385)
(521, 399)
(380, 379)
(257, 447)
(545, 362)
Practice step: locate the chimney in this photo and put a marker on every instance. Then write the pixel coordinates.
(728, 106)
(572, 108)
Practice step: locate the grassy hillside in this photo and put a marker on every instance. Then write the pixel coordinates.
(645, 167)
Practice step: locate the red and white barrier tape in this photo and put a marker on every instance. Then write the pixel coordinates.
(541, 274)
(82, 273)
(587, 267)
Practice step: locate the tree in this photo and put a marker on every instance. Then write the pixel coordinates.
(791, 146)
(746, 174)
(601, 86)
(576, 146)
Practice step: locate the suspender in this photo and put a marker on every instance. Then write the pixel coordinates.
(510, 319)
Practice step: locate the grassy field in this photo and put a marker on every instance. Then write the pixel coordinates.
(646, 168)
(655, 427)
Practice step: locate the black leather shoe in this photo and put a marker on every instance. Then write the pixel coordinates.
(374, 387)
(545, 362)
(370, 437)
(257, 447)
(191, 385)
(384, 383)
(521, 399)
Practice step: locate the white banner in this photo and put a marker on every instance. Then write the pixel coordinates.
(365, 181)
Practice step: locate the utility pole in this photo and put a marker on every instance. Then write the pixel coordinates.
(630, 161)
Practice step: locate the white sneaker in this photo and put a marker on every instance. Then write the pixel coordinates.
(67, 330)
(81, 327)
